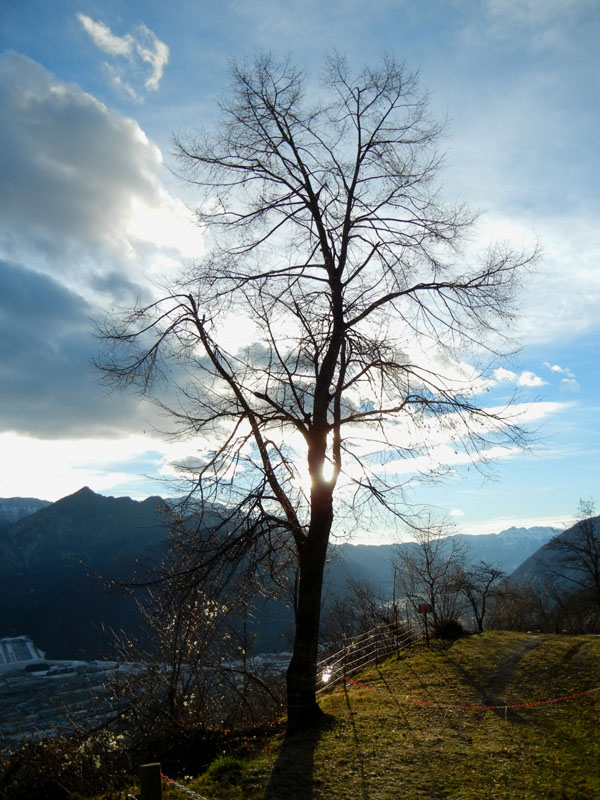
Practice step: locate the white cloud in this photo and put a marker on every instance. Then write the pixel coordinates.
(87, 225)
(524, 413)
(457, 512)
(535, 13)
(502, 374)
(433, 449)
(142, 45)
(557, 368)
(560, 294)
(121, 465)
(68, 464)
(525, 378)
(444, 457)
(105, 39)
(539, 25)
(83, 192)
(156, 53)
(514, 164)
(568, 383)
(530, 379)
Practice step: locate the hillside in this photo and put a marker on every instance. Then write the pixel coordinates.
(500, 715)
(50, 560)
(406, 729)
(548, 563)
(12, 509)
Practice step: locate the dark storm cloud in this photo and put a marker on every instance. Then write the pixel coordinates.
(86, 227)
(47, 385)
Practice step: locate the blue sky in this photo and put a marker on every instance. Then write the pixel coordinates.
(91, 94)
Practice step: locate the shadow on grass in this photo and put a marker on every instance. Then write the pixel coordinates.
(492, 692)
(400, 708)
(357, 746)
(292, 776)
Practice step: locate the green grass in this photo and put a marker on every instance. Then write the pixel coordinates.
(377, 745)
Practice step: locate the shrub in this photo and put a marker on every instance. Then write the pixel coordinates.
(86, 764)
(226, 769)
(61, 767)
(449, 629)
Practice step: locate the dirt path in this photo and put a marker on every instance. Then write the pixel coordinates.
(492, 694)
(489, 681)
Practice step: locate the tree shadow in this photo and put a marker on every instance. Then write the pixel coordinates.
(357, 746)
(400, 707)
(491, 693)
(292, 776)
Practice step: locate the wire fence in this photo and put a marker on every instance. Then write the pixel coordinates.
(151, 783)
(361, 651)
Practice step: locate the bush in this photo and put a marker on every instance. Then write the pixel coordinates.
(226, 769)
(449, 629)
(58, 768)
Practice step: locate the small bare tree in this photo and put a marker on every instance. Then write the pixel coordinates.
(577, 553)
(327, 238)
(428, 572)
(477, 585)
(200, 669)
(517, 607)
(359, 607)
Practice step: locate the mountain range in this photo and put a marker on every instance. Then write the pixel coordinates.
(53, 553)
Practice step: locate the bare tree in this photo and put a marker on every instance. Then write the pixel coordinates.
(577, 553)
(477, 585)
(327, 238)
(429, 571)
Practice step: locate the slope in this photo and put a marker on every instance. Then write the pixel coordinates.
(404, 729)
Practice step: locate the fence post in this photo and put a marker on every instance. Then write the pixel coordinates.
(150, 782)
(396, 630)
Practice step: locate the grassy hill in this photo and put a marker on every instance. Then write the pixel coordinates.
(382, 744)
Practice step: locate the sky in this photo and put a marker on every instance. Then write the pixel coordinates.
(91, 214)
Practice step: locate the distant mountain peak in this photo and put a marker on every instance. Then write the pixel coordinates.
(85, 491)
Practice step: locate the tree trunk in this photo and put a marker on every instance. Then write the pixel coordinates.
(302, 708)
